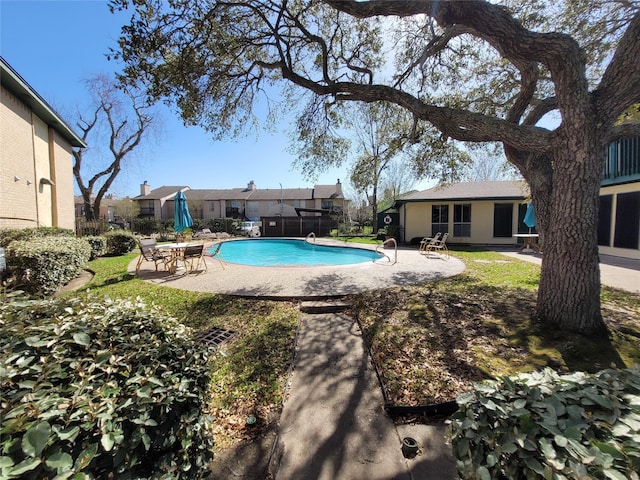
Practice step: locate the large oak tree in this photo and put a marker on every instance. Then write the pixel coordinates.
(472, 71)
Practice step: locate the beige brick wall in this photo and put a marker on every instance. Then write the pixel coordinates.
(17, 196)
(28, 149)
(63, 178)
(45, 192)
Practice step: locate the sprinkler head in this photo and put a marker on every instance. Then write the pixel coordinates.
(409, 447)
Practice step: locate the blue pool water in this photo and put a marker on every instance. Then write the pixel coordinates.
(289, 252)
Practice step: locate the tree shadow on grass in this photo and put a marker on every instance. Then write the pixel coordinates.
(476, 331)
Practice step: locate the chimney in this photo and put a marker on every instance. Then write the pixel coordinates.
(251, 186)
(145, 188)
(338, 188)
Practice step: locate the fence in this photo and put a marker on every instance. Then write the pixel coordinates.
(297, 226)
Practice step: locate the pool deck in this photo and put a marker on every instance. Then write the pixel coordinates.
(306, 282)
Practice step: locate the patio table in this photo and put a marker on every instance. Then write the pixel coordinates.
(174, 249)
(530, 242)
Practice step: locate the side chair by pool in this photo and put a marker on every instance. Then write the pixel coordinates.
(192, 256)
(149, 253)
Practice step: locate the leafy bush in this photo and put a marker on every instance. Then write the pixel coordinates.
(542, 425)
(42, 265)
(98, 246)
(9, 235)
(100, 390)
(120, 242)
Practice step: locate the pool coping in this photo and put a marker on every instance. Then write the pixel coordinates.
(304, 282)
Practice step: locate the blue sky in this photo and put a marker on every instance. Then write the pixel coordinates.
(56, 44)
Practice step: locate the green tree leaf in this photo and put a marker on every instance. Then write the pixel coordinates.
(34, 441)
(82, 338)
(107, 441)
(60, 461)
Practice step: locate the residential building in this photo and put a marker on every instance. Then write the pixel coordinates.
(249, 203)
(107, 207)
(471, 212)
(619, 222)
(490, 213)
(36, 174)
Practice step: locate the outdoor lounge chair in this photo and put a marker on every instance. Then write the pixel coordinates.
(439, 245)
(205, 233)
(192, 256)
(426, 241)
(149, 253)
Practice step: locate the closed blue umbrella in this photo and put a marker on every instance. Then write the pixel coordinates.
(530, 216)
(182, 219)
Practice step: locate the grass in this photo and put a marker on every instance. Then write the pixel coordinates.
(480, 325)
(249, 373)
(430, 341)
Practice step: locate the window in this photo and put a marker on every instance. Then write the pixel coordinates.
(299, 203)
(502, 220)
(627, 220)
(327, 204)
(462, 220)
(439, 219)
(212, 206)
(604, 220)
(252, 206)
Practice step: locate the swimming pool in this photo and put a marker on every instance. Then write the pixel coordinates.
(280, 252)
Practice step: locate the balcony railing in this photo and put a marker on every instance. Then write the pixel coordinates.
(147, 211)
(623, 161)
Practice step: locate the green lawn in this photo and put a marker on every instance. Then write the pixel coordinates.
(430, 341)
(433, 340)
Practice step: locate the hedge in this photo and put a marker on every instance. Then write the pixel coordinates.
(108, 389)
(43, 265)
(543, 425)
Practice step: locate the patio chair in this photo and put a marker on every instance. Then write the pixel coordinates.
(191, 256)
(439, 245)
(149, 253)
(205, 233)
(217, 253)
(426, 241)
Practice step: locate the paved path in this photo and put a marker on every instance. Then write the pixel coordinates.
(333, 426)
(618, 272)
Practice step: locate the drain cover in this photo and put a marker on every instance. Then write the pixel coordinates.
(214, 337)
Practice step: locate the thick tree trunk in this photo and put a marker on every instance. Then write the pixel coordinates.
(569, 291)
(87, 207)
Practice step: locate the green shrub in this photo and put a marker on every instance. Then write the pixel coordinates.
(542, 425)
(9, 235)
(120, 242)
(98, 246)
(106, 389)
(43, 265)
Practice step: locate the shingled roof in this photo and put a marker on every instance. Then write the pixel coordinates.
(497, 190)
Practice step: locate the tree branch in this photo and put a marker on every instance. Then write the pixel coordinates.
(620, 84)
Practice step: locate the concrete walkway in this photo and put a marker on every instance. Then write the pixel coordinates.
(618, 272)
(333, 425)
